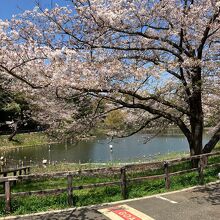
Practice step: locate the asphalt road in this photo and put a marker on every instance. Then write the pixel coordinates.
(202, 203)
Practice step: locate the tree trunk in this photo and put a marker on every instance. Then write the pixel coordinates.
(195, 150)
(213, 141)
(15, 129)
(196, 137)
(196, 116)
(196, 140)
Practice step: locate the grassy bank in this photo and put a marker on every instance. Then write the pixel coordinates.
(24, 140)
(59, 167)
(217, 147)
(62, 167)
(30, 204)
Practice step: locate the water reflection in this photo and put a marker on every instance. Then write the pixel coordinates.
(98, 150)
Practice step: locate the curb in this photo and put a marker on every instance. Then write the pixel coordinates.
(110, 203)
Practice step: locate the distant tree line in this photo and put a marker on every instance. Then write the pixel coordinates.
(15, 114)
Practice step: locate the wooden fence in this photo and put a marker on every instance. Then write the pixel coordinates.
(123, 180)
(24, 169)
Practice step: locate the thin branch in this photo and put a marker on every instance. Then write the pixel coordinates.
(171, 43)
(147, 108)
(26, 61)
(140, 128)
(22, 79)
(206, 34)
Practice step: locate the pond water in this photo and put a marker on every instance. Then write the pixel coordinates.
(98, 150)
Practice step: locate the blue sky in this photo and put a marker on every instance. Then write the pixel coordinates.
(10, 7)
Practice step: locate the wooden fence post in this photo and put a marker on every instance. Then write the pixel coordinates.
(70, 189)
(123, 183)
(14, 182)
(28, 170)
(201, 165)
(7, 197)
(167, 176)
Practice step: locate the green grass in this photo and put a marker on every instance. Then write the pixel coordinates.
(24, 140)
(59, 167)
(76, 166)
(30, 204)
(171, 155)
(217, 147)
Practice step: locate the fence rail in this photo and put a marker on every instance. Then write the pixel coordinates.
(25, 170)
(123, 172)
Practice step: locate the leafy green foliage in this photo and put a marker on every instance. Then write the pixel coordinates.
(11, 105)
(115, 120)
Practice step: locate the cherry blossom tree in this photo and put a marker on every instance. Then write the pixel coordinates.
(158, 59)
(26, 67)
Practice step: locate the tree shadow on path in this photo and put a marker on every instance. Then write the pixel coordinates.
(210, 194)
(82, 214)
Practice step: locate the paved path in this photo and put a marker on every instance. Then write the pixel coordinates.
(202, 203)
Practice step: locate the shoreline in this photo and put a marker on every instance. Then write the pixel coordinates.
(5, 148)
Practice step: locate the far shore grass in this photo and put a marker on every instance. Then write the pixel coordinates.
(25, 140)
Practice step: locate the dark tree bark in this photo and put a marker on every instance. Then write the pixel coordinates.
(212, 142)
(14, 132)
